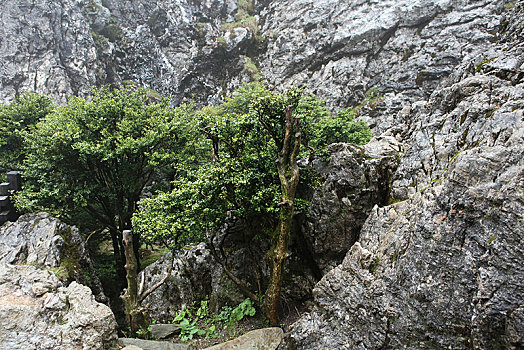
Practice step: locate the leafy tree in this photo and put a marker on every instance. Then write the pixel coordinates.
(15, 118)
(245, 136)
(97, 155)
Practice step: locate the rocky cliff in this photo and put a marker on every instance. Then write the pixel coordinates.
(442, 266)
(203, 49)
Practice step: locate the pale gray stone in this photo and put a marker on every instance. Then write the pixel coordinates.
(38, 312)
(259, 339)
(164, 330)
(441, 267)
(152, 344)
(41, 240)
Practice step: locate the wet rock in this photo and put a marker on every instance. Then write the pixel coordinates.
(38, 312)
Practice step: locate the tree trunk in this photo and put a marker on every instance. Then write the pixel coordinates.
(136, 316)
(117, 254)
(288, 173)
(279, 256)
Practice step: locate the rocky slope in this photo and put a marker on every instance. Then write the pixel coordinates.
(442, 267)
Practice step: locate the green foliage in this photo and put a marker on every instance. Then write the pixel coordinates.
(200, 322)
(251, 68)
(321, 129)
(243, 309)
(249, 22)
(246, 5)
(237, 174)
(97, 155)
(15, 119)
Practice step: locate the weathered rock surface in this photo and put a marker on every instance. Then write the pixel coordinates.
(354, 179)
(442, 268)
(164, 330)
(38, 312)
(179, 48)
(204, 49)
(41, 240)
(259, 339)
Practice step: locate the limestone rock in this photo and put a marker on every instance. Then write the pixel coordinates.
(132, 347)
(41, 240)
(187, 48)
(164, 330)
(354, 179)
(38, 312)
(259, 339)
(441, 267)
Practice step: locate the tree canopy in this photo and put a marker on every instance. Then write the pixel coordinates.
(253, 143)
(15, 119)
(98, 154)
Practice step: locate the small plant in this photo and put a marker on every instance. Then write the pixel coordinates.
(243, 309)
(200, 323)
(188, 326)
(144, 333)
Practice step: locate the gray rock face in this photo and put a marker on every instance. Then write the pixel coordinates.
(204, 49)
(37, 312)
(354, 179)
(191, 280)
(342, 48)
(442, 268)
(179, 48)
(41, 240)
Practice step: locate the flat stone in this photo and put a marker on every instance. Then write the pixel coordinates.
(259, 339)
(164, 330)
(132, 347)
(152, 344)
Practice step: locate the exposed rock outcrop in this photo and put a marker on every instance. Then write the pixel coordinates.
(442, 268)
(38, 312)
(354, 179)
(205, 49)
(41, 240)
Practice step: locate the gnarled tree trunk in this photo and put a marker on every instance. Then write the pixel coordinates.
(288, 173)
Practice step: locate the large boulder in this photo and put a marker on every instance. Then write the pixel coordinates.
(38, 312)
(41, 240)
(353, 180)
